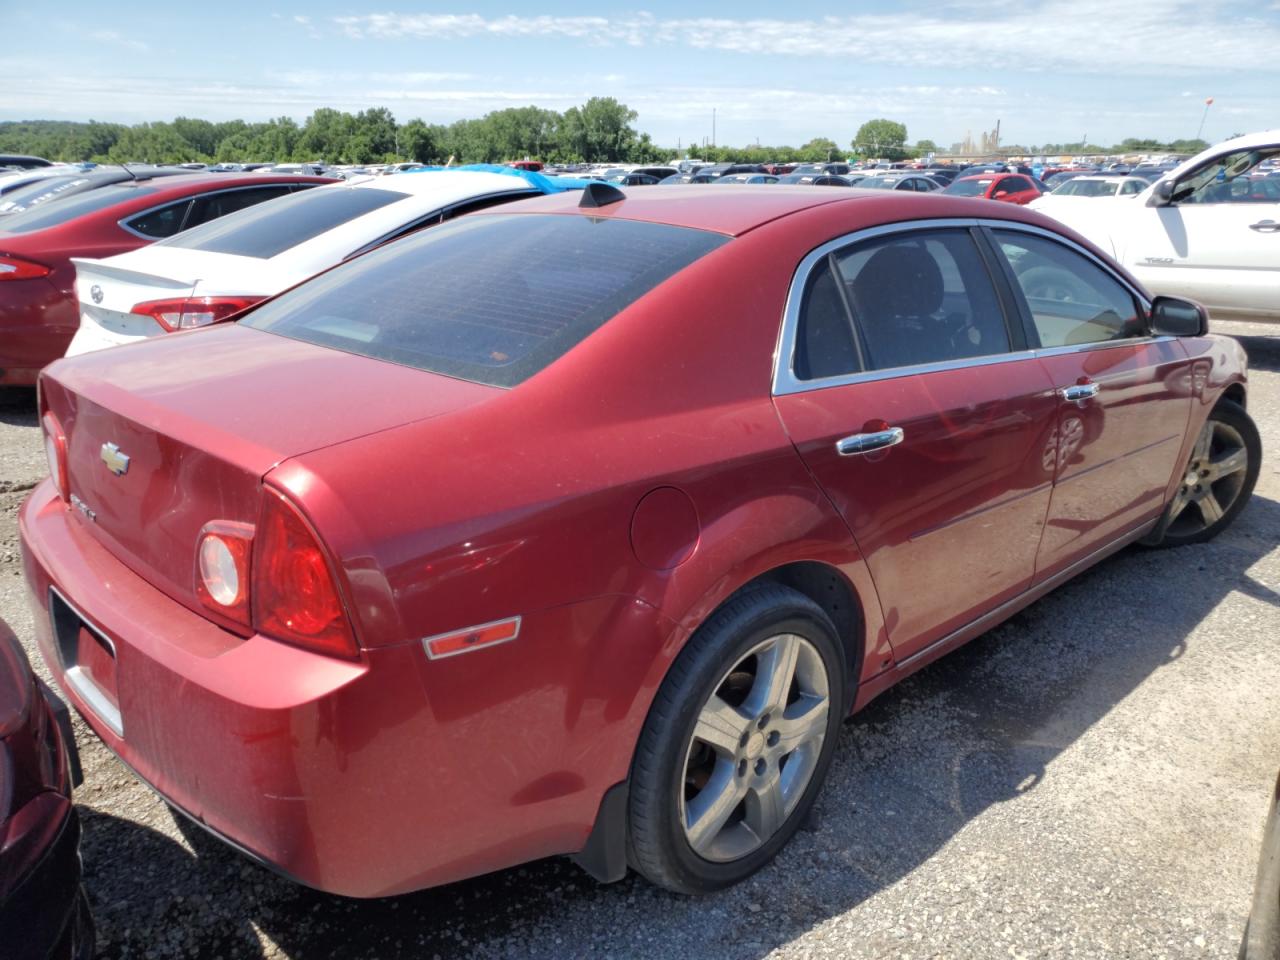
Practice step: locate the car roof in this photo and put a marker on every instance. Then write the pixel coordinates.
(736, 212)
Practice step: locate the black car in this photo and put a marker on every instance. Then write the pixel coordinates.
(814, 180)
(633, 179)
(944, 177)
(838, 169)
(61, 186)
(44, 913)
(981, 168)
(720, 169)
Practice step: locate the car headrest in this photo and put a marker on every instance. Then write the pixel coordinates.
(901, 280)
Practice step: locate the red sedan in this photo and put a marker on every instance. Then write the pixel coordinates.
(578, 529)
(39, 312)
(1008, 187)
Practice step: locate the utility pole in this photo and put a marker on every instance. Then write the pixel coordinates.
(713, 126)
(1207, 104)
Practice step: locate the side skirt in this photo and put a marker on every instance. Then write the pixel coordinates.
(944, 645)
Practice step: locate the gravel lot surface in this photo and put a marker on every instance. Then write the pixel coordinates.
(1087, 780)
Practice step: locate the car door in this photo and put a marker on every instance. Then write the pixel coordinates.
(1217, 242)
(912, 399)
(1124, 398)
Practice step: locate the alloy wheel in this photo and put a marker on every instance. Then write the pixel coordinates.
(1213, 480)
(754, 748)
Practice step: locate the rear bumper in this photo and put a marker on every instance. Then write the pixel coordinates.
(359, 778)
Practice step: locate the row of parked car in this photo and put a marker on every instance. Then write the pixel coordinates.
(242, 520)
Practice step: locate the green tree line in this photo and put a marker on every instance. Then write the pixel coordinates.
(599, 131)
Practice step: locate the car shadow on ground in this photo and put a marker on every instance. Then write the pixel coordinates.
(1264, 351)
(977, 728)
(18, 406)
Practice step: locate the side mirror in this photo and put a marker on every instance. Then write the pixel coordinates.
(1162, 195)
(1174, 317)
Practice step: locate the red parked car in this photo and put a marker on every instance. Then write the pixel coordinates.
(39, 312)
(1009, 187)
(539, 533)
(44, 914)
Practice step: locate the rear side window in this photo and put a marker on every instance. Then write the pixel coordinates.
(162, 222)
(492, 299)
(211, 206)
(264, 231)
(69, 208)
(1071, 299)
(922, 298)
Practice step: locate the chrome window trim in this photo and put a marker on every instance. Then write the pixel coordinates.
(785, 381)
(190, 199)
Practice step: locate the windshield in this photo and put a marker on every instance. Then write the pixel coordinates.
(1086, 188)
(271, 227)
(492, 299)
(39, 217)
(963, 188)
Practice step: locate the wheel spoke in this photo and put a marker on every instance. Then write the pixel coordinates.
(805, 720)
(1224, 466)
(1180, 501)
(1210, 509)
(1203, 443)
(776, 667)
(765, 807)
(707, 813)
(721, 726)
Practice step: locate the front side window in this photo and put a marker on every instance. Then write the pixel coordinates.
(492, 299)
(1071, 300)
(1224, 180)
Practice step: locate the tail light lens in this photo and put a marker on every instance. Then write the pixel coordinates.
(55, 451)
(186, 313)
(15, 268)
(295, 592)
(223, 552)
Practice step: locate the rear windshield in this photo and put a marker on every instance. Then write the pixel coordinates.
(492, 299)
(68, 208)
(968, 188)
(267, 229)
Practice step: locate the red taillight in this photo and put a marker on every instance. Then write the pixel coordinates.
(55, 451)
(187, 312)
(15, 268)
(223, 551)
(295, 593)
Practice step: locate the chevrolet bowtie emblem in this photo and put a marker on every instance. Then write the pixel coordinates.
(117, 462)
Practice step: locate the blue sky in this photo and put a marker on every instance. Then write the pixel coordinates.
(1049, 71)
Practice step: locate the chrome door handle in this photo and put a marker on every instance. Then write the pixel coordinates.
(1079, 391)
(866, 442)
(1265, 226)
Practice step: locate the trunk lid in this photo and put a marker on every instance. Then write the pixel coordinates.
(201, 417)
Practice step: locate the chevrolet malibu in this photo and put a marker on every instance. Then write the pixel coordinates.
(576, 526)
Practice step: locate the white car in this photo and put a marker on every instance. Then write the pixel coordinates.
(1079, 189)
(223, 267)
(1206, 231)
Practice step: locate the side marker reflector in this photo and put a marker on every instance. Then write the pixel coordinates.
(472, 638)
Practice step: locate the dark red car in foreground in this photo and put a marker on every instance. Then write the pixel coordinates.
(44, 914)
(1007, 187)
(39, 312)
(578, 529)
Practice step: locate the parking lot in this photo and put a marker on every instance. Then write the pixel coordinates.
(1087, 780)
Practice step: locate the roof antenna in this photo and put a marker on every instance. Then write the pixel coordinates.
(600, 194)
(125, 168)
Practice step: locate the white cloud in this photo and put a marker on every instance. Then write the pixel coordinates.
(1168, 39)
(118, 39)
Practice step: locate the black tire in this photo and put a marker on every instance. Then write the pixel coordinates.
(1182, 529)
(658, 845)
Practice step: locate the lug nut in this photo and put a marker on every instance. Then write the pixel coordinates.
(742, 768)
(774, 737)
(763, 722)
(742, 741)
(761, 767)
